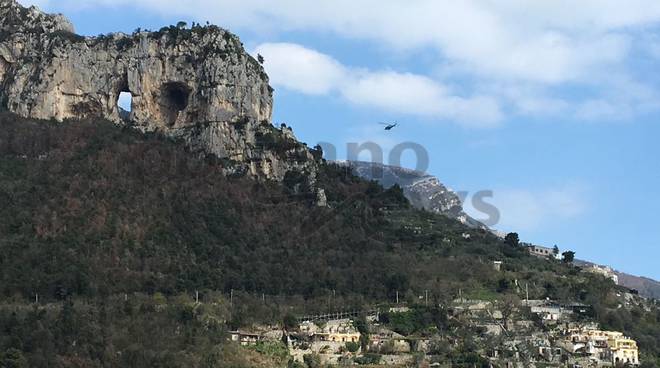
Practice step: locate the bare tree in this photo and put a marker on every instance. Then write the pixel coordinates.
(508, 305)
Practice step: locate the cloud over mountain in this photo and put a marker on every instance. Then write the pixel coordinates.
(308, 71)
(564, 53)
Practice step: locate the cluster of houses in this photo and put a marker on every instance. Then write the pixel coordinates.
(603, 271)
(336, 339)
(336, 331)
(601, 347)
(564, 340)
(583, 342)
(542, 332)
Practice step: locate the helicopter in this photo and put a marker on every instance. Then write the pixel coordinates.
(390, 126)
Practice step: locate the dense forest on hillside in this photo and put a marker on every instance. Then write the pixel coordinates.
(94, 209)
(106, 226)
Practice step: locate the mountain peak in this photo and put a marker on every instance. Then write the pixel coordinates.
(422, 190)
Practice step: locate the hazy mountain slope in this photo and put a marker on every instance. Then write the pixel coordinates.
(646, 287)
(422, 190)
(426, 191)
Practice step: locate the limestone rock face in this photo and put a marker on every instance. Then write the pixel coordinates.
(422, 190)
(197, 84)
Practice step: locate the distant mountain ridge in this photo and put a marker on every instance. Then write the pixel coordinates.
(422, 190)
(426, 191)
(646, 286)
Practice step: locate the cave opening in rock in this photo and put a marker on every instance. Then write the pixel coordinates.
(125, 102)
(174, 99)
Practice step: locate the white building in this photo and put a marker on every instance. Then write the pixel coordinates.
(604, 271)
(539, 251)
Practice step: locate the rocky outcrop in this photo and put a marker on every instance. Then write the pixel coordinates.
(197, 84)
(422, 190)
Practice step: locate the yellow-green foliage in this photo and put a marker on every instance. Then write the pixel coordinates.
(275, 349)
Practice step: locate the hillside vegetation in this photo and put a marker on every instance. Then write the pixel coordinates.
(114, 232)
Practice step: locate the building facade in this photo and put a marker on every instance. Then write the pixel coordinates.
(539, 251)
(604, 271)
(606, 347)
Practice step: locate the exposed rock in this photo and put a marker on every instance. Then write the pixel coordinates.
(321, 198)
(422, 190)
(196, 84)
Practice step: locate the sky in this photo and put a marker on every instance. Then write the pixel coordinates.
(552, 105)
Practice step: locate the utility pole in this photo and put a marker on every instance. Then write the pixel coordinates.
(334, 298)
(426, 296)
(231, 304)
(196, 296)
(397, 297)
(526, 294)
(36, 298)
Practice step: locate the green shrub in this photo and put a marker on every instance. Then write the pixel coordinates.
(312, 360)
(352, 347)
(275, 349)
(369, 358)
(13, 358)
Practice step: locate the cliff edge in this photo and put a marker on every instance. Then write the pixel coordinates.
(197, 84)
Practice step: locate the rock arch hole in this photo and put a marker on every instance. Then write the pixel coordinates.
(125, 102)
(174, 99)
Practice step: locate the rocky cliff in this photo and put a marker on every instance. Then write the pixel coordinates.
(196, 84)
(422, 190)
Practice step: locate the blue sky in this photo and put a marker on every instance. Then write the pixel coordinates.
(550, 104)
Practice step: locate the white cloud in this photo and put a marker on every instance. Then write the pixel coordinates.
(410, 93)
(298, 68)
(308, 71)
(622, 101)
(528, 210)
(546, 41)
(545, 44)
(400, 92)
